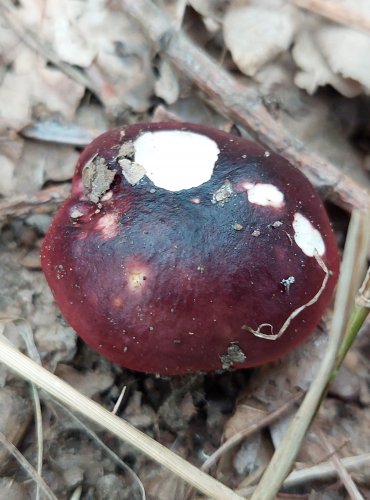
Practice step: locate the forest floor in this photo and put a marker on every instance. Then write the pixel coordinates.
(292, 75)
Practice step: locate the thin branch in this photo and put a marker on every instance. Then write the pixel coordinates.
(345, 12)
(236, 438)
(241, 103)
(325, 471)
(342, 472)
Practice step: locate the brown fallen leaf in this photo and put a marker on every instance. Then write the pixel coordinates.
(256, 34)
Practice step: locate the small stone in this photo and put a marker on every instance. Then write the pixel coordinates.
(223, 194)
(276, 224)
(234, 355)
(256, 233)
(237, 227)
(287, 282)
(75, 213)
(97, 178)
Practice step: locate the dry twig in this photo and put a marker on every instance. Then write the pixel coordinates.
(342, 472)
(325, 471)
(249, 431)
(241, 104)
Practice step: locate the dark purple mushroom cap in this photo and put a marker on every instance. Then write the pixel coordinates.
(183, 248)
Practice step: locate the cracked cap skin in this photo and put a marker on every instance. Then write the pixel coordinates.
(173, 281)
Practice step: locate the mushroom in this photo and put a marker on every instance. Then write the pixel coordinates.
(183, 248)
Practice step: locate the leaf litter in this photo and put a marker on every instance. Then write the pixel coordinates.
(313, 67)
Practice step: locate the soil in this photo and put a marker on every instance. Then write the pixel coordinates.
(60, 87)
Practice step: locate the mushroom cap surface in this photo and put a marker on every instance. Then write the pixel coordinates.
(180, 245)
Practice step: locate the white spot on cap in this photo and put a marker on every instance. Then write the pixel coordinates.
(176, 159)
(307, 237)
(266, 195)
(136, 276)
(108, 226)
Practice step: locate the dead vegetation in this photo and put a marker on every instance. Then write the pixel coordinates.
(295, 76)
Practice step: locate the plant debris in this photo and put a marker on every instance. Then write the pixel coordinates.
(295, 76)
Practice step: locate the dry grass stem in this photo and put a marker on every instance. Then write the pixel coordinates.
(39, 434)
(27, 467)
(344, 475)
(63, 392)
(95, 438)
(248, 432)
(362, 244)
(326, 471)
(363, 298)
(119, 401)
(283, 458)
(25, 331)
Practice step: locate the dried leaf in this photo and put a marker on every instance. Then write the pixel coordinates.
(255, 34)
(101, 39)
(7, 180)
(90, 383)
(15, 113)
(41, 162)
(59, 132)
(31, 83)
(211, 9)
(347, 52)
(314, 69)
(62, 30)
(167, 85)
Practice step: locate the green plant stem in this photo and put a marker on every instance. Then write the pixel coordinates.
(357, 319)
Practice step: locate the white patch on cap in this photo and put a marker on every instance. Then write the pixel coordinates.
(108, 226)
(176, 159)
(266, 195)
(307, 237)
(136, 278)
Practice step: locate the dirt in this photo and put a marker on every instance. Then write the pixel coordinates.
(59, 87)
(96, 178)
